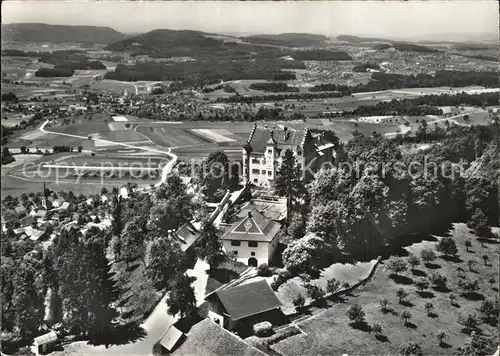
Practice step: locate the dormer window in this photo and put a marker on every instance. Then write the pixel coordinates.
(299, 153)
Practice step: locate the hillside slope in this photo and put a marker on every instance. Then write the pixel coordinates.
(39, 32)
(288, 39)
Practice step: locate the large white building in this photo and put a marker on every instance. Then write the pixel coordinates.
(252, 240)
(265, 148)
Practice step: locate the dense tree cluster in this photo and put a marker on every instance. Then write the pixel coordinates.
(9, 97)
(200, 73)
(364, 67)
(54, 72)
(321, 55)
(274, 87)
(374, 200)
(217, 175)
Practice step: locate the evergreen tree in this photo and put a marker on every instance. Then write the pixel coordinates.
(289, 180)
(165, 261)
(26, 300)
(209, 247)
(181, 298)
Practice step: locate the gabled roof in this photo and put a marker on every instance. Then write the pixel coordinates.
(208, 339)
(46, 338)
(260, 138)
(187, 235)
(248, 299)
(253, 227)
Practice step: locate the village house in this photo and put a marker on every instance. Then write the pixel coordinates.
(252, 240)
(206, 338)
(239, 308)
(265, 148)
(44, 344)
(186, 236)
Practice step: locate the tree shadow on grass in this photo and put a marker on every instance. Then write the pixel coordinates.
(484, 240)
(406, 303)
(495, 289)
(120, 335)
(382, 338)
(418, 273)
(442, 289)
(474, 296)
(445, 345)
(426, 295)
(432, 315)
(337, 299)
(401, 279)
(454, 259)
(410, 325)
(432, 266)
(361, 325)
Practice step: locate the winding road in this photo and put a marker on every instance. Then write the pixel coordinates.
(166, 169)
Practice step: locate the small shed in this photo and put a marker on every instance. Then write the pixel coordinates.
(44, 343)
(171, 338)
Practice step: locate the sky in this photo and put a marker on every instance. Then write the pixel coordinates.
(431, 19)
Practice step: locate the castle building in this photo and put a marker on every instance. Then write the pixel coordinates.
(265, 148)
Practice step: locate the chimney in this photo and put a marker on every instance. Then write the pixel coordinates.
(249, 214)
(287, 134)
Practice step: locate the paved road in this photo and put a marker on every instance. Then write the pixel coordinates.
(166, 169)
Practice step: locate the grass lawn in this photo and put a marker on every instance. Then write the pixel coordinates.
(140, 296)
(350, 273)
(330, 333)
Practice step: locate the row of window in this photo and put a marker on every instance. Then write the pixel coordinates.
(236, 252)
(256, 171)
(250, 243)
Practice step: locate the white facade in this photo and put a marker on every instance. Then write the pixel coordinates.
(243, 251)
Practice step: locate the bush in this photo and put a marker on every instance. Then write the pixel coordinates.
(315, 292)
(263, 329)
(298, 301)
(396, 265)
(263, 270)
(438, 280)
(384, 303)
(411, 349)
(489, 308)
(356, 313)
(469, 321)
(333, 285)
(422, 285)
(448, 246)
(427, 255)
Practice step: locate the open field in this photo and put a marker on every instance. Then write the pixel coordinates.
(113, 86)
(422, 328)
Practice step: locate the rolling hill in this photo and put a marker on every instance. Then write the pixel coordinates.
(205, 46)
(288, 39)
(186, 43)
(39, 32)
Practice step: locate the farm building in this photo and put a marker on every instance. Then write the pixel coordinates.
(43, 344)
(265, 148)
(252, 240)
(239, 308)
(209, 339)
(186, 235)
